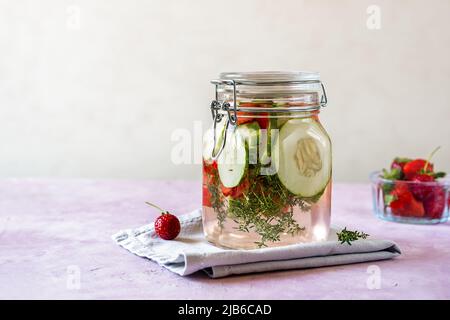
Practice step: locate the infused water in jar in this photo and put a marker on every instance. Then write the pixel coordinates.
(266, 161)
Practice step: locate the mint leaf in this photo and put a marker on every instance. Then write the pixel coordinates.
(388, 198)
(438, 175)
(394, 174)
(402, 160)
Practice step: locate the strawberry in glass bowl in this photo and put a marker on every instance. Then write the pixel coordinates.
(411, 191)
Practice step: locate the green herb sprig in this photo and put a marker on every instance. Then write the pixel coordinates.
(217, 199)
(267, 208)
(347, 236)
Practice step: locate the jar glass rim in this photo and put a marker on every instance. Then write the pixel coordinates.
(264, 77)
(282, 90)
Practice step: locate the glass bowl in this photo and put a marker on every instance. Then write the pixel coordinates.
(410, 201)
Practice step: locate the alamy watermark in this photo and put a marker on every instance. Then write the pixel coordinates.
(373, 282)
(73, 281)
(73, 17)
(192, 146)
(373, 21)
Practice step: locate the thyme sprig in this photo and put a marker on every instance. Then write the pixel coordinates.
(347, 236)
(217, 199)
(267, 208)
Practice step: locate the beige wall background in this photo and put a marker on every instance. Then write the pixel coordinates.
(96, 88)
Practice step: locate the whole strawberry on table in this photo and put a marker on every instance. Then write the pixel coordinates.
(412, 191)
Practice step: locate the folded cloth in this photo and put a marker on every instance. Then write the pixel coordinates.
(191, 252)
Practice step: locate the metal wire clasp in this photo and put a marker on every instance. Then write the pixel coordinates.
(231, 110)
(323, 99)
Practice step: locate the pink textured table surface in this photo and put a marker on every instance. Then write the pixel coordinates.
(49, 228)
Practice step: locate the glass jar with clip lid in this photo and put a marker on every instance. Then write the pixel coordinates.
(266, 161)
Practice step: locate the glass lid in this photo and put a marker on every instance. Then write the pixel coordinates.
(271, 77)
(299, 88)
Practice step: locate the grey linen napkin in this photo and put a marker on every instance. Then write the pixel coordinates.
(191, 252)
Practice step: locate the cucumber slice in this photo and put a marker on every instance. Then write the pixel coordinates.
(232, 162)
(265, 142)
(250, 134)
(303, 157)
(208, 140)
(281, 121)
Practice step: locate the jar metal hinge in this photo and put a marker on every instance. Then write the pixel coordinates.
(229, 108)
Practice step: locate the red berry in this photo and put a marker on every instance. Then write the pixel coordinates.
(421, 191)
(206, 196)
(209, 172)
(243, 117)
(414, 167)
(242, 120)
(404, 203)
(209, 167)
(167, 226)
(434, 204)
(226, 191)
(263, 120)
(396, 165)
(237, 191)
(400, 189)
(399, 163)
